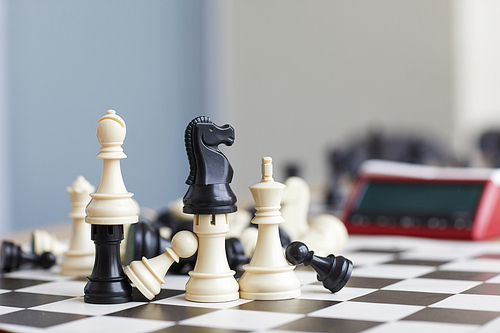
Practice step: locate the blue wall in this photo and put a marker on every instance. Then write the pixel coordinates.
(69, 62)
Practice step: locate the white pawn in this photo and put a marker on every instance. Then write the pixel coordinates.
(43, 241)
(148, 274)
(295, 207)
(268, 276)
(79, 260)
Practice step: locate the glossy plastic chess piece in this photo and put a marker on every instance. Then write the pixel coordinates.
(79, 259)
(43, 241)
(210, 199)
(268, 276)
(326, 233)
(295, 207)
(109, 209)
(333, 271)
(12, 258)
(145, 240)
(148, 275)
(210, 171)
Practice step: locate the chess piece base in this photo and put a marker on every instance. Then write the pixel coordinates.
(212, 287)
(142, 278)
(77, 264)
(269, 283)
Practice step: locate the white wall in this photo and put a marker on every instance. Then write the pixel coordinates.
(476, 33)
(310, 74)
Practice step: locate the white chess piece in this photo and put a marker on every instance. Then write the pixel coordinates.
(238, 222)
(268, 276)
(111, 204)
(295, 207)
(326, 235)
(211, 280)
(43, 241)
(79, 259)
(148, 274)
(110, 208)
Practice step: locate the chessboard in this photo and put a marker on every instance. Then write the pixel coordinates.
(399, 284)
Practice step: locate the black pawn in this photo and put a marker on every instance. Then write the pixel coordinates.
(107, 284)
(235, 254)
(12, 257)
(333, 272)
(144, 240)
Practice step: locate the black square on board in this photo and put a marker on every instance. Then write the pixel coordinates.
(368, 282)
(459, 275)
(317, 324)
(402, 297)
(13, 284)
(196, 329)
(484, 289)
(417, 262)
(28, 300)
(38, 318)
(455, 316)
(162, 312)
(303, 306)
(137, 296)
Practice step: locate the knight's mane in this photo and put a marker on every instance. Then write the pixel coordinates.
(188, 141)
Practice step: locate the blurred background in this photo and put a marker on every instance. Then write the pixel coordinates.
(297, 80)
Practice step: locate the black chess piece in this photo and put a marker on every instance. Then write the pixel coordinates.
(235, 253)
(210, 171)
(107, 284)
(144, 240)
(333, 271)
(12, 257)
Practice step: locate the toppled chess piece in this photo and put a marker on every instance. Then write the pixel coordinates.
(145, 239)
(148, 274)
(43, 241)
(333, 271)
(12, 257)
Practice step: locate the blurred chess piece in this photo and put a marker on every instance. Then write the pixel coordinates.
(79, 259)
(295, 207)
(12, 258)
(148, 275)
(326, 233)
(43, 241)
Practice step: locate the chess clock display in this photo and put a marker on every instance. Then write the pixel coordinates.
(415, 200)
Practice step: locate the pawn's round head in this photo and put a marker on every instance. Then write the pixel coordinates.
(296, 253)
(184, 243)
(47, 260)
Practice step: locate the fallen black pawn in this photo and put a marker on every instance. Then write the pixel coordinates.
(333, 272)
(12, 257)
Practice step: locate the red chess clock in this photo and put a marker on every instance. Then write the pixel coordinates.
(414, 200)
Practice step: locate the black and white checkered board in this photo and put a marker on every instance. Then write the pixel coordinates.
(398, 285)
